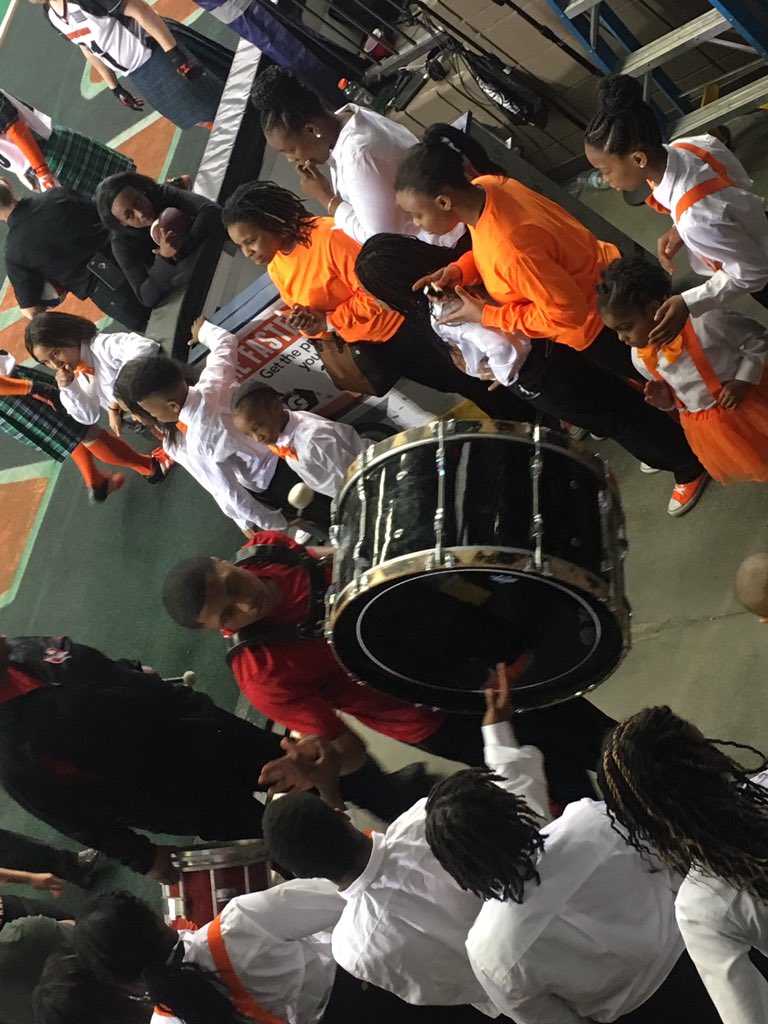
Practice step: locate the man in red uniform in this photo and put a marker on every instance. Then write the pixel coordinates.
(268, 603)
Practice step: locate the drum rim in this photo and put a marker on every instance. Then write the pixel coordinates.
(456, 430)
(237, 854)
(467, 557)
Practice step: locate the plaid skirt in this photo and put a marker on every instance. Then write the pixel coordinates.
(36, 424)
(82, 163)
(183, 102)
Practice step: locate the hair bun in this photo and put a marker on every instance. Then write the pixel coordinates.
(273, 84)
(619, 92)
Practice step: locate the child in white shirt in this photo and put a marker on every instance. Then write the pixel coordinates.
(86, 364)
(227, 464)
(318, 450)
(713, 372)
(705, 189)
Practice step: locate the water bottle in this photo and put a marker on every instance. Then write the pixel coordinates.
(586, 180)
(356, 93)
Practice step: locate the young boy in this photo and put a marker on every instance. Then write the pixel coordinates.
(318, 450)
(269, 605)
(230, 466)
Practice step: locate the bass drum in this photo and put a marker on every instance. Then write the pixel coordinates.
(467, 543)
(210, 877)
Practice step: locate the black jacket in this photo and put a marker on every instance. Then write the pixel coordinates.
(52, 237)
(150, 276)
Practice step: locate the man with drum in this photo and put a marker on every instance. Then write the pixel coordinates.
(99, 748)
(269, 605)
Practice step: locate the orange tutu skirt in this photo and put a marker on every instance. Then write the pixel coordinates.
(732, 444)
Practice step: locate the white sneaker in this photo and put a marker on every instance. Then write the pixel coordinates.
(645, 468)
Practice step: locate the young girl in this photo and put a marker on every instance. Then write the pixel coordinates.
(86, 365)
(701, 184)
(130, 39)
(553, 379)
(361, 148)
(30, 411)
(318, 450)
(712, 372)
(312, 265)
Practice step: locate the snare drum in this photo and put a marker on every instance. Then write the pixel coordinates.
(466, 543)
(211, 877)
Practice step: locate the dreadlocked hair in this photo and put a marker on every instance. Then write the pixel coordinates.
(388, 264)
(624, 121)
(631, 283)
(485, 838)
(672, 792)
(272, 208)
(122, 940)
(442, 160)
(283, 102)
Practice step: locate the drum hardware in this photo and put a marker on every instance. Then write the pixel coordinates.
(508, 538)
(210, 877)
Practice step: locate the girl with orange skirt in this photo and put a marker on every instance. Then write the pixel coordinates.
(713, 372)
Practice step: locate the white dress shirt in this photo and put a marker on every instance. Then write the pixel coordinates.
(406, 921)
(736, 347)
(324, 450)
(363, 165)
(279, 944)
(728, 227)
(593, 941)
(107, 354)
(223, 459)
(720, 924)
(502, 353)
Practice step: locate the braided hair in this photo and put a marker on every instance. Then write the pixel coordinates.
(441, 160)
(121, 941)
(674, 793)
(624, 122)
(272, 208)
(388, 264)
(632, 283)
(487, 839)
(283, 102)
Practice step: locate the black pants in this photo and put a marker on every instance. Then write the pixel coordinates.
(418, 354)
(611, 354)
(354, 1001)
(564, 384)
(682, 999)
(569, 735)
(121, 304)
(276, 496)
(20, 853)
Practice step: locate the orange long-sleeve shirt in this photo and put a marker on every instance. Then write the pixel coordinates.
(538, 262)
(322, 276)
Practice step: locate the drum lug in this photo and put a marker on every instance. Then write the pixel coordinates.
(333, 535)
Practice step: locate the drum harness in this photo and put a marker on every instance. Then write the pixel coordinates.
(259, 633)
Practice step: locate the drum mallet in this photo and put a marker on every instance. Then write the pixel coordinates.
(188, 679)
(300, 496)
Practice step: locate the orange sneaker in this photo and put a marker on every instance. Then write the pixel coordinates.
(685, 496)
(102, 490)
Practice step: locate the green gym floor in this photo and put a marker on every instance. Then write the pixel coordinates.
(95, 573)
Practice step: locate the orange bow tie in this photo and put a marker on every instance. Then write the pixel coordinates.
(181, 427)
(283, 451)
(672, 351)
(85, 368)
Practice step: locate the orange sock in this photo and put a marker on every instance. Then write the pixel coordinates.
(83, 459)
(116, 452)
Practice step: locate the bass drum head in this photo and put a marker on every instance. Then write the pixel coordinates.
(431, 638)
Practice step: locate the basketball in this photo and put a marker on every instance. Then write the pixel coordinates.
(171, 219)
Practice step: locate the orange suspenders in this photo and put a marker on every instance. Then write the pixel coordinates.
(691, 345)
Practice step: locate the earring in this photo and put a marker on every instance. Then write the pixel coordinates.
(318, 135)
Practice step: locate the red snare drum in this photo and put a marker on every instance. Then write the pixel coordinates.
(210, 877)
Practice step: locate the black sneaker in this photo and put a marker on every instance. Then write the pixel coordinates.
(100, 493)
